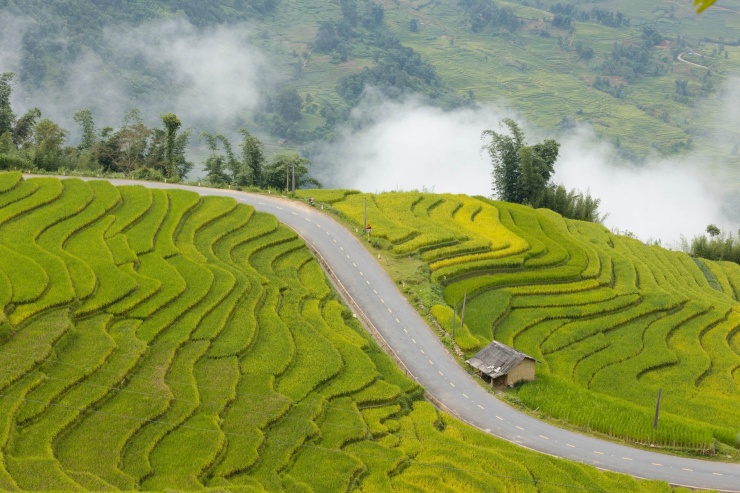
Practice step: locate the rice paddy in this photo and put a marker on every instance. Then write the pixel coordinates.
(159, 340)
(610, 320)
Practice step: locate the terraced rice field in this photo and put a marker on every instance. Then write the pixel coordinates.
(610, 320)
(155, 340)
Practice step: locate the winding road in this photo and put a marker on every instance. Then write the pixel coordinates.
(373, 294)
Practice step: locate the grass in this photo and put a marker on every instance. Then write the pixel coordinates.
(604, 313)
(225, 360)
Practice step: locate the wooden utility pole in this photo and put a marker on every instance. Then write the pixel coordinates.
(454, 320)
(462, 315)
(287, 179)
(657, 409)
(364, 221)
(293, 177)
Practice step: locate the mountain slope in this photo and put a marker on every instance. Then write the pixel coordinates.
(171, 341)
(610, 320)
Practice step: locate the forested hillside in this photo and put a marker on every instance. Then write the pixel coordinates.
(647, 79)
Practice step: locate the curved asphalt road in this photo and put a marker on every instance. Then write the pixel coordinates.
(376, 296)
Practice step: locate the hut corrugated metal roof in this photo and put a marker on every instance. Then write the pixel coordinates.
(497, 359)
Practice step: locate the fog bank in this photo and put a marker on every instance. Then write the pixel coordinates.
(413, 146)
(208, 77)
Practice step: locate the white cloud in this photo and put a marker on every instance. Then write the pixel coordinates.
(411, 145)
(216, 74)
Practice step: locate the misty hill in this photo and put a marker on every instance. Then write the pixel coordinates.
(613, 66)
(153, 340)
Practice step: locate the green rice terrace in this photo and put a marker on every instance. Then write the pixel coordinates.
(157, 340)
(610, 320)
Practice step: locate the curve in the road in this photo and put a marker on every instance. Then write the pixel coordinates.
(370, 291)
(680, 59)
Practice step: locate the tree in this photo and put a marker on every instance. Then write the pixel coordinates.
(536, 164)
(282, 167)
(216, 163)
(171, 125)
(6, 112)
(713, 230)
(326, 38)
(84, 118)
(253, 161)
(570, 203)
(504, 152)
(288, 105)
(24, 127)
(48, 139)
(349, 11)
(127, 148)
(520, 172)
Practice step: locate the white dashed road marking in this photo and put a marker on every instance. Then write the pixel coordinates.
(499, 418)
(441, 373)
(481, 406)
(520, 428)
(597, 452)
(466, 396)
(687, 469)
(569, 445)
(656, 464)
(543, 436)
(452, 384)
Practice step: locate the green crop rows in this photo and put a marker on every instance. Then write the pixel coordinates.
(610, 320)
(155, 340)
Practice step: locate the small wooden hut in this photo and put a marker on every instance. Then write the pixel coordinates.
(501, 363)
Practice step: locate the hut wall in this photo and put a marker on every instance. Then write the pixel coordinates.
(522, 371)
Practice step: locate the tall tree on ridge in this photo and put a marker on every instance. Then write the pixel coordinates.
(253, 161)
(6, 112)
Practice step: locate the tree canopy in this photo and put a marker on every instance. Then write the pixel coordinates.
(521, 174)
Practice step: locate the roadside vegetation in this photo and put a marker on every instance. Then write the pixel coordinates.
(157, 340)
(610, 320)
(133, 150)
